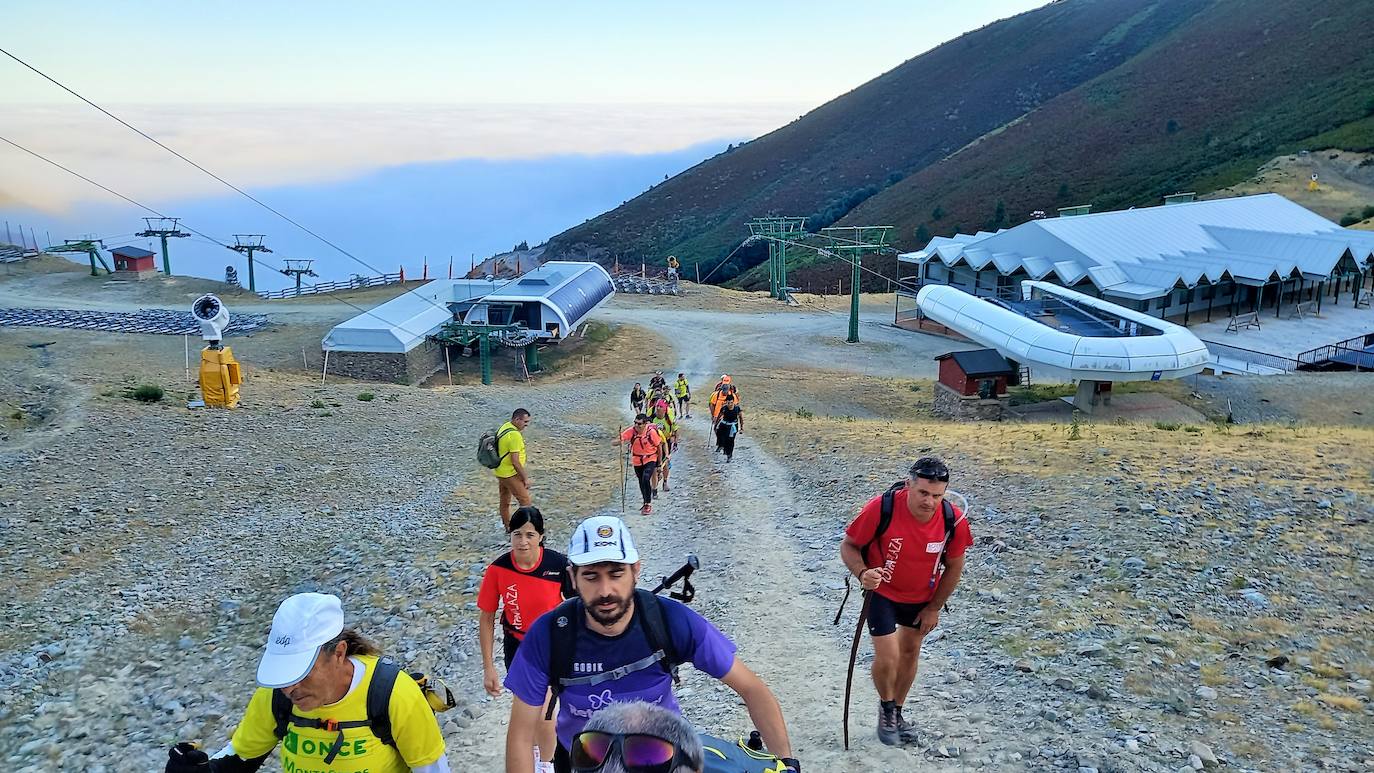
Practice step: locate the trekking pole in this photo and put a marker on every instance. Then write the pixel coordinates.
(853, 656)
(618, 433)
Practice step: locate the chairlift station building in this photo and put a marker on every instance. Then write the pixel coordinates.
(1186, 261)
(393, 342)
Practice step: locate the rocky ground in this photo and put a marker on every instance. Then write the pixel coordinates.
(1139, 598)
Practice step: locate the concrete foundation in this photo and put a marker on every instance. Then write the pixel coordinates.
(412, 367)
(1091, 394)
(952, 405)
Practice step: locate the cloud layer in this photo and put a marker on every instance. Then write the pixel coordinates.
(284, 145)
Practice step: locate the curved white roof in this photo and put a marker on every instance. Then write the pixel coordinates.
(1174, 353)
(1149, 252)
(403, 322)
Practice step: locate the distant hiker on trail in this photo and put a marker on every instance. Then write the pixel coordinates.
(512, 479)
(646, 448)
(907, 548)
(657, 382)
(673, 266)
(524, 583)
(729, 423)
(637, 398)
(683, 393)
(318, 686)
(724, 388)
(614, 644)
(667, 429)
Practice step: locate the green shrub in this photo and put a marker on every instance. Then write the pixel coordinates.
(1350, 218)
(1167, 426)
(803, 413)
(316, 403)
(1193, 429)
(366, 397)
(146, 393)
(1367, 212)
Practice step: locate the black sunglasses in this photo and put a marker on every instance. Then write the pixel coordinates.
(936, 472)
(639, 752)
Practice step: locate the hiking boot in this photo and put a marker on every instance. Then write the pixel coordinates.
(905, 729)
(665, 486)
(646, 509)
(655, 494)
(887, 724)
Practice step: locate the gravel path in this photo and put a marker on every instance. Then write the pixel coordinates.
(1120, 612)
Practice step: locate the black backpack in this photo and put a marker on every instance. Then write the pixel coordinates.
(378, 708)
(885, 520)
(569, 618)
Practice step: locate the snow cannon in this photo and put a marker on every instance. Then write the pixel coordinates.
(220, 375)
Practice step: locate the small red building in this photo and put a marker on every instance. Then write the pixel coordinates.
(973, 385)
(134, 262)
(978, 372)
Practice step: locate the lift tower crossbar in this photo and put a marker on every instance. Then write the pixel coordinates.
(778, 231)
(249, 244)
(165, 228)
(853, 242)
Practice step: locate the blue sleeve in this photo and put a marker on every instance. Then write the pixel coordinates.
(709, 650)
(528, 678)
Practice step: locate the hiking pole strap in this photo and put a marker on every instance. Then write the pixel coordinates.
(853, 656)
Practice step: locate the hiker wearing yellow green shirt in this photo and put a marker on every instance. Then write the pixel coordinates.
(684, 396)
(329, 700)
(512, 479)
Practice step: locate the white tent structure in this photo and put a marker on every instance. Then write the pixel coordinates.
(403, 323)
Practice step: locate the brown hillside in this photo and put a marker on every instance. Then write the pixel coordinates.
(899, 123)
(1203, 109)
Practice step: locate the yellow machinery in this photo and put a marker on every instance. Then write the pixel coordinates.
(220, 374)
(219, 378)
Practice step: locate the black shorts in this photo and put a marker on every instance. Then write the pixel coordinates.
(509, 644)
(884, 615)
(562, 759)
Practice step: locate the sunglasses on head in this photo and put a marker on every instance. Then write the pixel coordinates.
(936, 472)
(639, 752)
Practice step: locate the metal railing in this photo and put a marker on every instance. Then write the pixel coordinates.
(1356, 346)
(354, 283)
(1274, 361)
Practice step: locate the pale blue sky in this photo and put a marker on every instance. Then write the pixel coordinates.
(298, 51)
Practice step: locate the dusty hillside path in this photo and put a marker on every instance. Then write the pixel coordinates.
(769, 578)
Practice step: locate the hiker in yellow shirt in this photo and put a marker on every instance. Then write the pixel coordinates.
(322, 689)
(512, 479)
(684, 396)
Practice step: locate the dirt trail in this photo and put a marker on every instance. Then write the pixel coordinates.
(769, 580)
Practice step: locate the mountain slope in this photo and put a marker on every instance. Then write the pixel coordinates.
(1243, 80)
(901, 122)
(1108, 102)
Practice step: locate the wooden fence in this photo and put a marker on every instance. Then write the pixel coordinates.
(354, 283)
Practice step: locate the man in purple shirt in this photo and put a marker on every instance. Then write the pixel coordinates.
(612, 660)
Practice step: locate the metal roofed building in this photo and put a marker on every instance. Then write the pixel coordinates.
(1226, 256)
(552, 300)
(393, 342)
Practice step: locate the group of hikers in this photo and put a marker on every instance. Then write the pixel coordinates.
(656, 432)
(590, 658)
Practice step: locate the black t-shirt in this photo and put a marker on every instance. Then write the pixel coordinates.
(637, 395)
(730, 413)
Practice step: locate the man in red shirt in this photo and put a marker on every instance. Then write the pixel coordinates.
(909, 570)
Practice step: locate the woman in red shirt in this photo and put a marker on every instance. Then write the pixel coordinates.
(523, 584)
